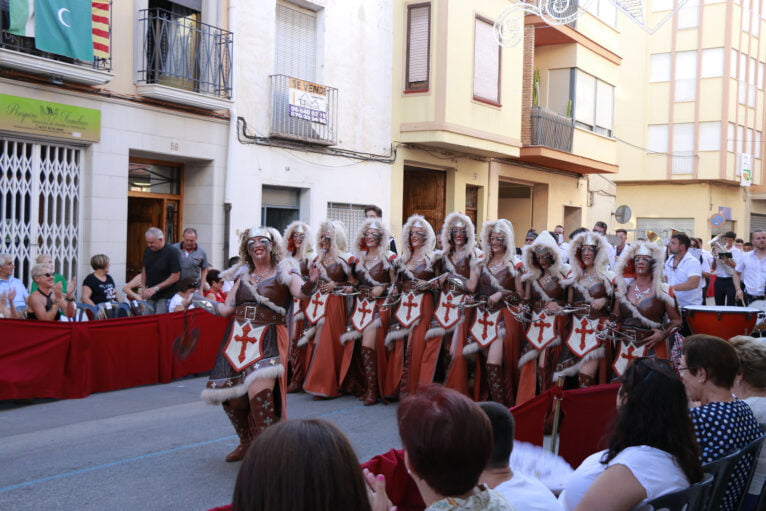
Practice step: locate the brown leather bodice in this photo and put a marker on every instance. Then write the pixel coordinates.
(462, 266)
(304, 266)
(652, 308)
(336, 272)
(552, 288)
(271, 288)
(422, 271)
(378, 272)
(504, 277)
(597, 290)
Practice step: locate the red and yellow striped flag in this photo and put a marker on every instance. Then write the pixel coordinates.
(101, 29)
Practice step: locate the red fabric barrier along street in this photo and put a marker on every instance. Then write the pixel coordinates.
(529, 417)
(48, 359)
(588, 415)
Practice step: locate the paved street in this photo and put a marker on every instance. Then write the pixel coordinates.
(156, 447)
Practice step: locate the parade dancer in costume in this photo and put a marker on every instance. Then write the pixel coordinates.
(412, 360)
(249, 377)
(374, 273)
(545, 293)
(327, 311)
(495, 327)
(646, 314)
(459, 253)
(297, 246)
(591, 289)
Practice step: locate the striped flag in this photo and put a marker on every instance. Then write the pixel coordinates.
(101, 29)
(22, 14)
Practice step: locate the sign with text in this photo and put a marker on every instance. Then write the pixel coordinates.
(308, 101)
(51, 119)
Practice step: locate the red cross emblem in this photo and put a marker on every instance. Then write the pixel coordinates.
(628, 353)
(363, 314)
(484, 328)
(541, 332)
(447, 314)
(244, 345)
(315, 308)
(582, 339)
(405, 313)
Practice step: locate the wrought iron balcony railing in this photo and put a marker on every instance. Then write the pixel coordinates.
(552, 130)
(26, 45)
(185, 53)
(302, 110)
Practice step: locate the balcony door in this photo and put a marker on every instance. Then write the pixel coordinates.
(425, 194)
(173, 42)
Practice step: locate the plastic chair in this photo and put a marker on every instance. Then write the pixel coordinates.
(113, 310)
(85, 312)
(751, 451)
(688, 499)
(721, 469)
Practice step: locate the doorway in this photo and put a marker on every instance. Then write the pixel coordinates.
(155, 199)
(514, 203)
(425, 194)
(280, 206)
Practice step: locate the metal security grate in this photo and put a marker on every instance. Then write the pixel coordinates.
(40, 202)
(352, 216)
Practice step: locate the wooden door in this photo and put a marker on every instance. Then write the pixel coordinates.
(425, 194)
(142, 214)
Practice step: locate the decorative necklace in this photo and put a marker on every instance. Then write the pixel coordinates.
(496, 266)
(639, 294)
(588, 277)
(546, 279)
(259, 276)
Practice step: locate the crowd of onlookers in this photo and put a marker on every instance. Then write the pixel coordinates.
(172, 276)
(671, 421)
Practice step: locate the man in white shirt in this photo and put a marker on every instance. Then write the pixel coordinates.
(520, 490)
(9, 284)
(683, 271)
(724, 269)
(600, 227)
(751, 269)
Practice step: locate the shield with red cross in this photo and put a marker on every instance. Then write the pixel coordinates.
(315, 308)
(582, 337)
(409, 309)
(541, 331)
(447, 314)
(364, 313)
(484, 327)
(628, 352)
(244, 346)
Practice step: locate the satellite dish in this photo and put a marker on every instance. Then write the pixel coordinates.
(623, 214)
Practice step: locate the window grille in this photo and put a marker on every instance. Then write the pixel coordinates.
(352, 216)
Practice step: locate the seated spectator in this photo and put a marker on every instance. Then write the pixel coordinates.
(57, 278)
(722, 423)
(48, 302)
(8, 305)
(447, 443)
(300, 465)
(215, 293)
(750, 386)
(522, 491)
(13, 289)
(183, 297)
(129, 288)
(98, 287)
(652, 450)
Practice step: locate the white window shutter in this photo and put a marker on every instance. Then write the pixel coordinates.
(418, 46)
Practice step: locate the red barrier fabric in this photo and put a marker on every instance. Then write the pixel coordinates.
(47, 359)
(400, 487)
(529, 417)
(588, 417)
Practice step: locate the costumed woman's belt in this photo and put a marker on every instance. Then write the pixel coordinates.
(258, 313)
(636, 334)
(411, 285)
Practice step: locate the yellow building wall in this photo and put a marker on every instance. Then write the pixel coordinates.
(598, 31)
(695, 200)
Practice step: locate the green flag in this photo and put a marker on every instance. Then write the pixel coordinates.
(22, 18)
(64, 27)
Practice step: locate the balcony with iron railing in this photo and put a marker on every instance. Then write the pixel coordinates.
(19, 52)
(183, 60)
(303, 111)
(556, 142)
(551, 129)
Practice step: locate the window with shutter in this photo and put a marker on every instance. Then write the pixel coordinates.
(486, 63)
(295, 43)
(418, 46)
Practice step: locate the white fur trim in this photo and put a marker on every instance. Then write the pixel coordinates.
(351, 335)
(433, 333)
(218, 396)
(395, 335)
(471, 348)
(245, 280)
(504, 226)
(305, 246)
(528, 357)
(307, 336)
(429, 244)
(374, 325)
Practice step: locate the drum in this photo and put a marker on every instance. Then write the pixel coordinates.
(723, 321)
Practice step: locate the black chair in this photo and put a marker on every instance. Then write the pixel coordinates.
(688, 499)
(721, 469)
(751, 452)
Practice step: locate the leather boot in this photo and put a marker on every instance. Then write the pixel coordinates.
(296, 364)
(238, 410)
(583, 380)
(370, 361)
(495, 383)
(262, 412)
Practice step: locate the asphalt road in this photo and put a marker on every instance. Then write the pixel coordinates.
(155, 447)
